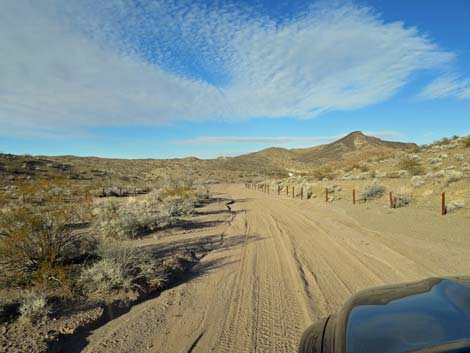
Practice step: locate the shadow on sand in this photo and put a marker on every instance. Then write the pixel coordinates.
(200, 247)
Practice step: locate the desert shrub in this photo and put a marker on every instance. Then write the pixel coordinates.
(126, 220)
(174, 207)
(371, 191)
(120, 268)
(443, 141)
(34, 306)
(325, 172)
(466, 141)
(401, 199)
(455, 205)
(202, 193)
(412, 166)
(35, 242)
(393, 175)
(453, 175)
(417, 181)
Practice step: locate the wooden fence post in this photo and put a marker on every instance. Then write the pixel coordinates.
(301, 193)
(287, 190)
(293, 192)
(391, 200)
(443, 206)
(268, 188)
(326, 195)
(279, 189)
(354, 196)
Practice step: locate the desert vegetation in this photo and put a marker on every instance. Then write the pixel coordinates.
(59, 245)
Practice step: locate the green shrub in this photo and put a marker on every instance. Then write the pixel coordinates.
(35, 242)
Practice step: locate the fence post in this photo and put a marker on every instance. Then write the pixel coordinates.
(443, 206)
(287, 190)
(279, 189)
(354, 196)
(391, 200)
(326, 195)
(293, 192)
(302, 193)
(268, 188)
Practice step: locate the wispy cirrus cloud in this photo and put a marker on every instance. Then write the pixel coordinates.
(69, 66)
(449, 85)
(279, 140)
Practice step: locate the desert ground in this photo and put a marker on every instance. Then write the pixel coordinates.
(278, 264)
(111, 255)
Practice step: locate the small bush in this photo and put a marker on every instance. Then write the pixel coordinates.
(127, 220)
(417, 181)
(401, 199)
(466, 141)
(371, 191)
(35, 242)
(324, 173)
(443, 141)
(34, 306)
(455, 205)
(174, 207)
(120, 268)
(453, 175)
(412, 166)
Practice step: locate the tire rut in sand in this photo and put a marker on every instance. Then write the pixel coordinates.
(264, 313)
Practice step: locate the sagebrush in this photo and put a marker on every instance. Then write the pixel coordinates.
(120, 268)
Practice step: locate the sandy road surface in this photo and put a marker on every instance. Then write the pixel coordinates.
(282, 264)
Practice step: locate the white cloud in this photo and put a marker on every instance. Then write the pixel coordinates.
(449, 85)
(280, 140)
(68, 66)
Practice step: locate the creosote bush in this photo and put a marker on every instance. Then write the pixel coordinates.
(120, 268)
(371, 191)
(35, 242)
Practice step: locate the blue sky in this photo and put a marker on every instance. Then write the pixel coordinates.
(168, 78)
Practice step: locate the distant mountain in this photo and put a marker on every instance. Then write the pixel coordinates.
(271, 162)
(352, 148)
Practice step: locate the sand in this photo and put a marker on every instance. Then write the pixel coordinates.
(282, 264)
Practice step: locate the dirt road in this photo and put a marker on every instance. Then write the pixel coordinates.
(281, 264)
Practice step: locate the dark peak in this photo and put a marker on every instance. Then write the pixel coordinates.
(356, 134)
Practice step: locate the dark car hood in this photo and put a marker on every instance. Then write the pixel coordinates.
(407, 317)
